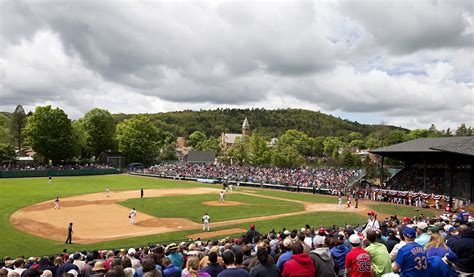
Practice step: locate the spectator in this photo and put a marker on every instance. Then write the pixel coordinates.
(442, 266)
(411, 259)
(339, 251)
(464, 249)
(436, 245)
(358, 262)
(264, 268)
(192, 268)
(378, 255)
(286, 247)
(99, 269)
(394, 252)
(213, 268)
(322, 258)
(231, 270)
(392, 240)
(173, 254)
(170, 270)
(422, 232)
(300, 263)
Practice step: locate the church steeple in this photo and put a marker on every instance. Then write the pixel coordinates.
(246, 128)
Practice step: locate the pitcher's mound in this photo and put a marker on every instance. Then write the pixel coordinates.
(222, 204)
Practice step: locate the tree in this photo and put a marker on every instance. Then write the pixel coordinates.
(168, 152)
(258, 150)
(196, 138)
(139, 139)
(49, 132)
(395, 136)
(100, 130)
(287, 156)
(299, 140)
(17, 123)
(7, 153)
(332, 145)
(239, 151)
(4, 129)
(358, 143)
(210, 144)
(79, 139)
(462, 130)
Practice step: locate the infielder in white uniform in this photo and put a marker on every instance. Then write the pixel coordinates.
(56, 203)
(221, 196)
(107, 191)
(132, 215)
(205, 221)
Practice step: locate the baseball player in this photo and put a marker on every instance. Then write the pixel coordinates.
(348, 201)
(205, 221)
(132, 215)
(107, 191)
(56, 203)
(50, 179)
(339, 201)
(221, 196)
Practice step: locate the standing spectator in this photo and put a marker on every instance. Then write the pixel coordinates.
(264, 268)
(464, 249)
(378, 255)
(251, 234)
(300, 263)
(357, 260)
(422, 232)
(372, 222)
(322, 258)
(231, 270)
(411, 259)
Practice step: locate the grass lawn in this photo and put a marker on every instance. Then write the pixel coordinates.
(190, 207)
(21, 192)
(400, 211)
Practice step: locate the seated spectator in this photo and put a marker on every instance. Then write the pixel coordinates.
(339, 251)
(300, 263)
(358, 262)
(411, 258)
(322, 258)
(442, 266)
(436, 245)
(99, 269)
(287, 254)
(192, 268)
(213, 268)
(264, 268)
(422, 231)
(169, 269)
(231, 270)
(378, 255)
(464, 249)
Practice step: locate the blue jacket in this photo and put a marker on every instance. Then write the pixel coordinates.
(171, 271)
(339, 253)
(464, 249)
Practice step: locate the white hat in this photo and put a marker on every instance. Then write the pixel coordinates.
(354, 239)
(319, 240)
(131, 251)
(287, 242)
(286, 232)
(422, 225)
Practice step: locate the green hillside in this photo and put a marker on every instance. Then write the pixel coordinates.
(269, 123)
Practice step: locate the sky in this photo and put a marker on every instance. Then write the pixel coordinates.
(405, 63)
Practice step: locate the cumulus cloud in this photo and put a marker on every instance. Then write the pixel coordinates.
(410, 64)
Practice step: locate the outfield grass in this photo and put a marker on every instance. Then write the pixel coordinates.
(398, 210)
(18, 193)
(190, 207)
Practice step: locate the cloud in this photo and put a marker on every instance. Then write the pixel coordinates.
(408, 65)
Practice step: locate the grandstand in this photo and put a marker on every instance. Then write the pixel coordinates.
(443, 165)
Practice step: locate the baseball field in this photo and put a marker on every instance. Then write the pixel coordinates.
(169, 211)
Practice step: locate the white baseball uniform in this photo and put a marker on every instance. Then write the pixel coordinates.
(132, 216)
(205, 220)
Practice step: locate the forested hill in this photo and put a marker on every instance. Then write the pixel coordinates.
(269, 123)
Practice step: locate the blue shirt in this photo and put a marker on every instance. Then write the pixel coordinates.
(285, 257)
(233, 272)
(412, 261)
(176, 259)
(438, 268)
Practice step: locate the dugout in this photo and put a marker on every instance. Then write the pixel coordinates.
(445, 164)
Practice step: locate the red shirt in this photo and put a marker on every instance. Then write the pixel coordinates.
(358, 261)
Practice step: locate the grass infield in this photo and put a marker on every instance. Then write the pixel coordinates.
(399, 210)
(18, 193)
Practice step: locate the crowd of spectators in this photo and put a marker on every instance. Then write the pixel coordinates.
(420, 246)
(15, 167)
(304, 177)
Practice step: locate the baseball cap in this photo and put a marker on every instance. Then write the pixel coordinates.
(406, 219)
(449, 228)
(287, 242)
(354, 239)
(422, 225)
(286, 232)
(434, 229)
(409, 232)
(252, 226)
(131, 251)
(318, 240)
(451, 256)
(322, 232)
(371, 213)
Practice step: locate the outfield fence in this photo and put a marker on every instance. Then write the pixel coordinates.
(56, 172)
